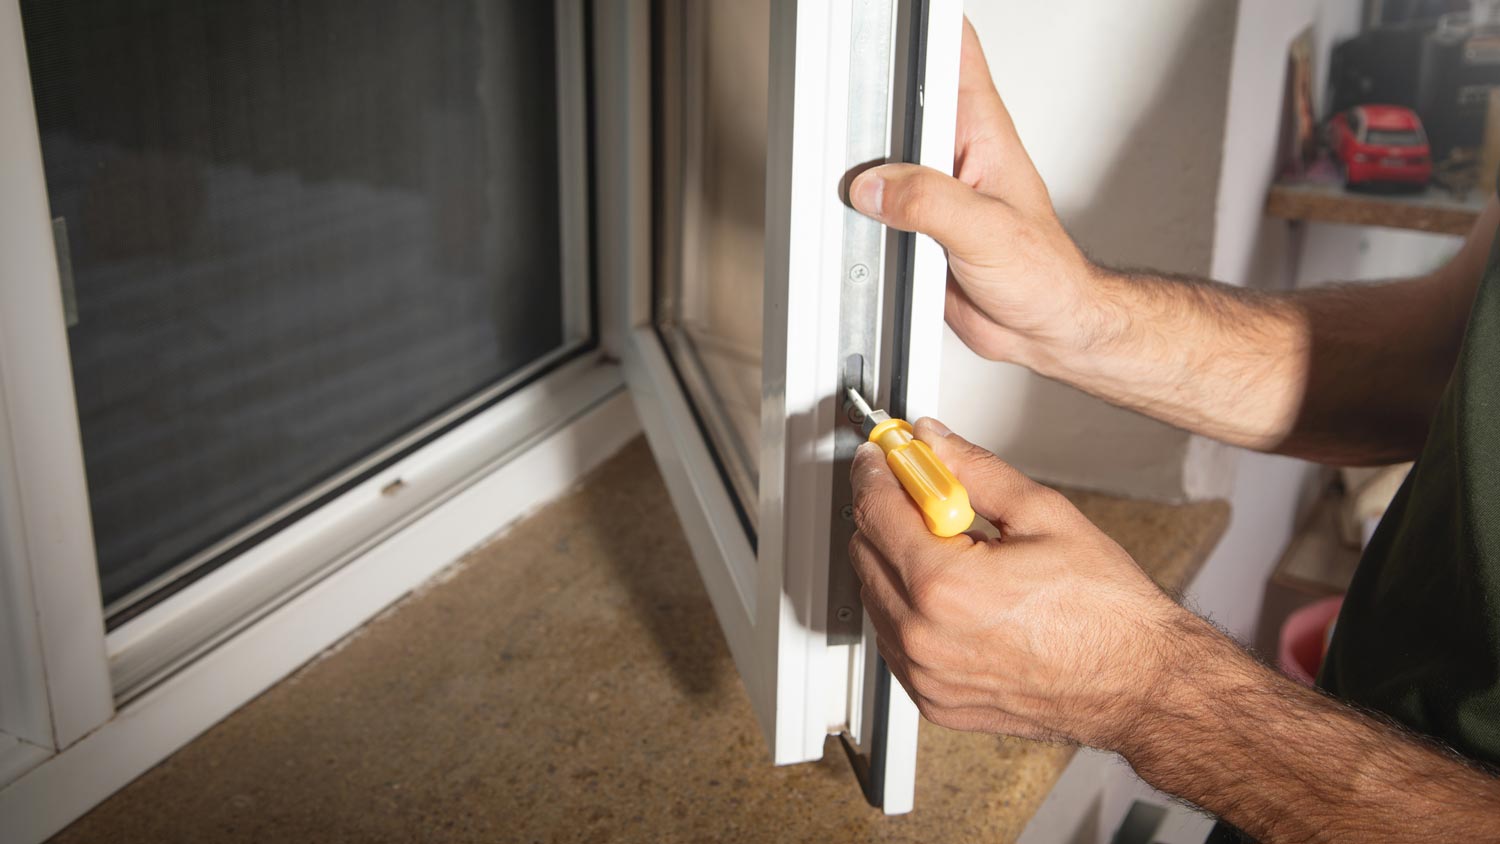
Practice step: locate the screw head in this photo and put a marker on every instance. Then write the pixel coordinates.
(847, 511)
(844, 614)
(859, 272)
(855, 415)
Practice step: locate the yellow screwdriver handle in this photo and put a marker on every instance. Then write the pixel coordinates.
(942, 499)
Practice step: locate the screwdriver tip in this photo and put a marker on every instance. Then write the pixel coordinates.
(859, 401)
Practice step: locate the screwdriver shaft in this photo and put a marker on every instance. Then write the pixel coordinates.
(859, 402)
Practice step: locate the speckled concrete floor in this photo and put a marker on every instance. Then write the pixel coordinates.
(568, 682)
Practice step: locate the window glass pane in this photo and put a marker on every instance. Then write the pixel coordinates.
(712, 75)
(296, 231)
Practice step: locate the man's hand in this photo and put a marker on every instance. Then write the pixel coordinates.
(1051, 631)
(1335, 375)
(1016, 276)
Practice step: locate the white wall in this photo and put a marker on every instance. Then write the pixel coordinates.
(1332, 252)
(1122, 107)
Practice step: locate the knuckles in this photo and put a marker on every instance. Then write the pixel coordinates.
(868, 511)
(939, 596)
(866, 458)
(919, 645)
(859, 551)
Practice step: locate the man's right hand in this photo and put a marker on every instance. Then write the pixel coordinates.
(1051, 631)
(1018, 286)
(1320, 374)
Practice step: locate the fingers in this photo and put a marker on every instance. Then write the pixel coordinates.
(920, 199)
(973, 67)
(989, 154)
(894, 533)
(997, 490)
(880, 589)
(883, 512)
(991, 164)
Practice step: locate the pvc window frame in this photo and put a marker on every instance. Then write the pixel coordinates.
(68, 689)
(770, 592)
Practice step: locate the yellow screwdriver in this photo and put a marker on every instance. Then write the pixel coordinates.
(942, 499)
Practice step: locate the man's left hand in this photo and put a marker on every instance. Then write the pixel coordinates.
(1050, 631)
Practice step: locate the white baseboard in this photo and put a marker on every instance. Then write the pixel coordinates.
(53, 794)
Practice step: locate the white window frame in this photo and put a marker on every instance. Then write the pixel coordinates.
(149, 647)
(66, 742)
(771, 598)
(58, 684)
(68, 736)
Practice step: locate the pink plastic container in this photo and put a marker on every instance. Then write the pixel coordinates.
(1304, 638)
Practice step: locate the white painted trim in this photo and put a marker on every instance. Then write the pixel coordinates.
(45, 509)
(211, 609)
(146, 731)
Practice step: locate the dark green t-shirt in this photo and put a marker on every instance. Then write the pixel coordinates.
(1419, 635)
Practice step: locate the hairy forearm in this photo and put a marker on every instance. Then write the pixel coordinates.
(1286, 763)
(1379, 358)
(1337, 374)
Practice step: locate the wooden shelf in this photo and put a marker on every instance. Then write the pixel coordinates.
(1433, 210)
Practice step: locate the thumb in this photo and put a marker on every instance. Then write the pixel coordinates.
(997, 490)
(920, 199)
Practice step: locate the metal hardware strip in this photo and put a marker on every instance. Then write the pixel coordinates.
(867, 142)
